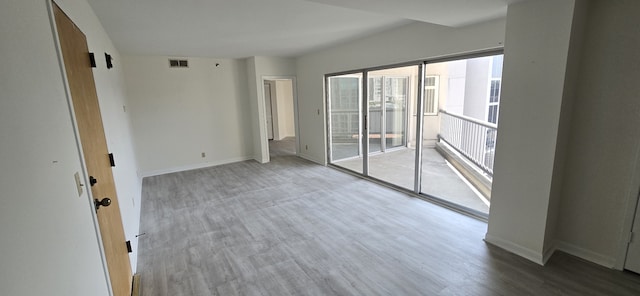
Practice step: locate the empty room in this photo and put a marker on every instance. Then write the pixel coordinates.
(319, 147)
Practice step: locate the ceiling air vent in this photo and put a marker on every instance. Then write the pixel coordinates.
(178, 63)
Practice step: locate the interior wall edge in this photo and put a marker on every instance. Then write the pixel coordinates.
(529, 254)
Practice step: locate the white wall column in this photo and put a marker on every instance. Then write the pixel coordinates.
(536, 55)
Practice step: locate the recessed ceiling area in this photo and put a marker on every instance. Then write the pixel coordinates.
(285, 28)
(451, 13)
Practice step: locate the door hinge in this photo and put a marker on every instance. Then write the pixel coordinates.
(129, 249)
(111, 160)
(109, 60)
(630, 239)
(92, 60)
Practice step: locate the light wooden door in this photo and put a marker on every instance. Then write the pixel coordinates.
(632, 262)
(269, 110)
(75, 53)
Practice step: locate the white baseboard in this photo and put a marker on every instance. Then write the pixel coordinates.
(151, 173)
(258, 158)
(549, 252)
(309, 158)
(562, 246)
(585, 254)
(519, 250)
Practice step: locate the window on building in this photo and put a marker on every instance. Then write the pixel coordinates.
(431, 83)
(494, 100)
(494, 89)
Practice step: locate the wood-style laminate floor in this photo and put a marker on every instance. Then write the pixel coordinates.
(291, 227)
(284, 147)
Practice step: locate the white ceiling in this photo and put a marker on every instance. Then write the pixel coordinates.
(452, 13)
(242, 28)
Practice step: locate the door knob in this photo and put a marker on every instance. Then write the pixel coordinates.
(105, 202)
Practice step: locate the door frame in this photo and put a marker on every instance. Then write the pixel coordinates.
(263, 124)
(267, 83)
(85, 175)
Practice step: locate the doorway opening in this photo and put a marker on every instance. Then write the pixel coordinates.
(281, 116)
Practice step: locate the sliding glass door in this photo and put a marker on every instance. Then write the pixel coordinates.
(459, 139)
(345, 120)
(391, 99)
(430, 128)
(371, 134)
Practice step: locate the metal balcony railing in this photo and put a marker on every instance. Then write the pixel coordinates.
(472, 138)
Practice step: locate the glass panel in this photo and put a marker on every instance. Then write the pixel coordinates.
(393, 126)
(345, 117)
(456, 142)
(375, 118)
(494, 93)
(396, 94)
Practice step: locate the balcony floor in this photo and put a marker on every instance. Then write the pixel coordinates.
(439, 179)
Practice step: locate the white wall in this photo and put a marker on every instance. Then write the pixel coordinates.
(454, 94)
(285, 117)
(48, 230)
(179, 113)
(477, 88)
(412, 42)
(533, 87)
(259, 68)
(601, 173)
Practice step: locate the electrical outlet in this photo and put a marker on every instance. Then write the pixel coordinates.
(203, 155)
